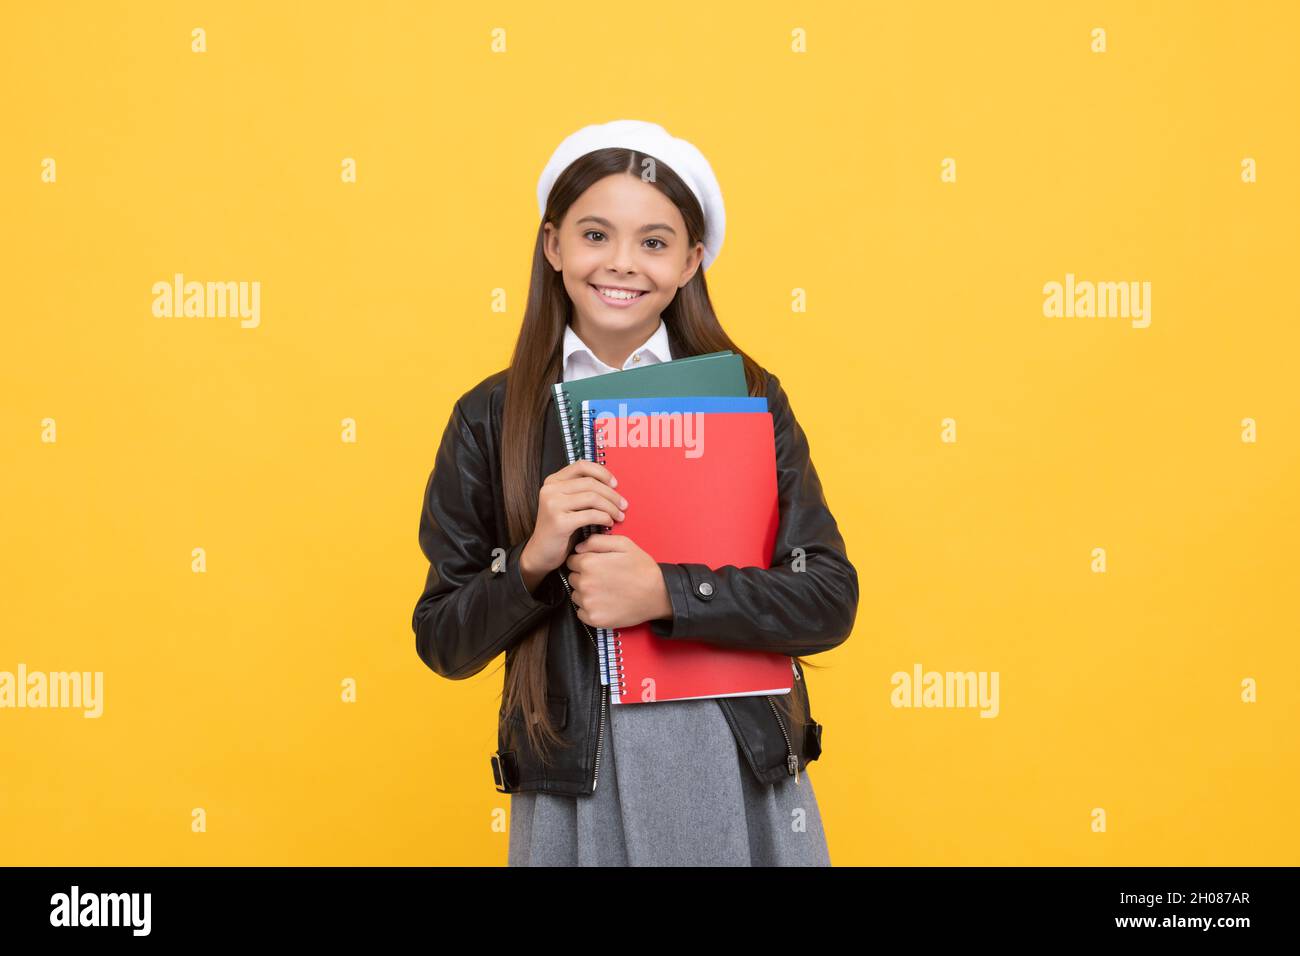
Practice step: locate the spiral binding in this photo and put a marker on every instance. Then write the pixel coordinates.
(597, 436)
(568, 417)
(615, 664)
(618, 659)
(562, 401)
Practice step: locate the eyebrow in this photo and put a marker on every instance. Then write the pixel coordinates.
(652, 227)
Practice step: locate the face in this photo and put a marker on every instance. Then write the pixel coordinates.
(621, 234)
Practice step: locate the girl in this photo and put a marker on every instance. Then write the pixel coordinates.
(630, 219)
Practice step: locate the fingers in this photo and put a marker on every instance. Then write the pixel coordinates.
(598, 496)
(604, 542)
(584, 468)
(583, 494)
(574, 520)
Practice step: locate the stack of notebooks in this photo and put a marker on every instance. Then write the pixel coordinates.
(695, 457)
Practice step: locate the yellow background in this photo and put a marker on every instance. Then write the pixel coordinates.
(222, 690)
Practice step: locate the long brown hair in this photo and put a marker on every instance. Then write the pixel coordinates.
(693, 329)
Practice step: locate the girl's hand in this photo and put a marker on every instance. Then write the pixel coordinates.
(577, 495)
(616, 584)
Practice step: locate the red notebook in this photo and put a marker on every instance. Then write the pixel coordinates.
(715, 504)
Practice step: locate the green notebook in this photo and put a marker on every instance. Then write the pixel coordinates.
(717, 373)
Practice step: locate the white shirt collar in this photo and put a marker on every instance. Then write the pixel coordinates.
(581, 362)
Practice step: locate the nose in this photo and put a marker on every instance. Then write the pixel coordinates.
(621, 258)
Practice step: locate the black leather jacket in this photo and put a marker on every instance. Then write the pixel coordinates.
(471, 611)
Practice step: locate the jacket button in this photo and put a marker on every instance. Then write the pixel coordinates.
(705, 588)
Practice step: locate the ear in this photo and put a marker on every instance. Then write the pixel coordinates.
(692, 263)
(551, 246)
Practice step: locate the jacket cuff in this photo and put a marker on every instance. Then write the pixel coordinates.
(524, 601)
(690, 588)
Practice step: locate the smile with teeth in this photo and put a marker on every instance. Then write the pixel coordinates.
(622, 295)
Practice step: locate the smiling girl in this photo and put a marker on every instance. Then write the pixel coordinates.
(631, 218)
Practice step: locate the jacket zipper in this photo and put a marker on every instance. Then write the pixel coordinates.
(791, 761)
(603, 690)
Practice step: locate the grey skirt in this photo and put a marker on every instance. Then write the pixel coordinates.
(674, 790)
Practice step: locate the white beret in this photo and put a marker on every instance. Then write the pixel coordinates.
(651, 138)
